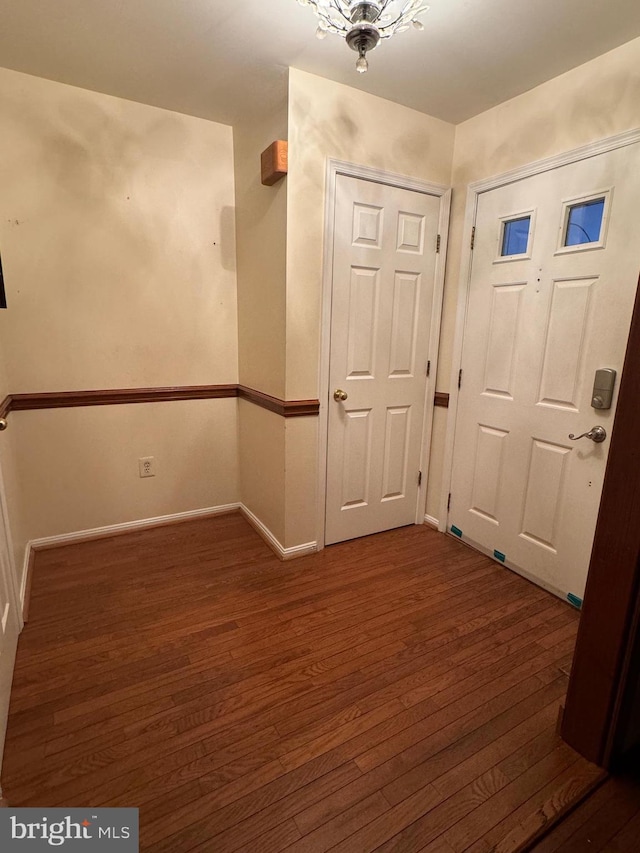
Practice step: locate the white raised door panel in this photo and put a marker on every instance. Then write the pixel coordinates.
(361, 322)
(566, 343)
(356, 459)
(488, 470)
(396, 446)
(541, 319)
(383, 278)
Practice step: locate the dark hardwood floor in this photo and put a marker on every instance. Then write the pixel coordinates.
(606, 822)
(398, 692)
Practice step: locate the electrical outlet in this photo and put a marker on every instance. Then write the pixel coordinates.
(147, 466)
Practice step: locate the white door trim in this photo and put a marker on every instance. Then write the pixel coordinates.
(474, 190)
(352, 170)
(16, 602)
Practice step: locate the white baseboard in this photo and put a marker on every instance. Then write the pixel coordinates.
(431, 521)
(145, 523)
(25, 575)
(129, 526)
(112, 530)
(279, 549)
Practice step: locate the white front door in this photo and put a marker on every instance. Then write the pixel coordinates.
(9, 629)
(384, 263)
(553, 281)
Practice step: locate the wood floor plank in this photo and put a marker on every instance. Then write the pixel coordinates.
(397, 692)
(525, 822)
(275, 797)
(409, 772)
(560, 760)
(573, 822)
(342, 826)
(626, 839)
(607, 820)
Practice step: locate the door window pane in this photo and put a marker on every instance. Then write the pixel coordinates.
(515, 236)
(584, 222)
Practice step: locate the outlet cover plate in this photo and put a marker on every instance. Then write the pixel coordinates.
(147, 466)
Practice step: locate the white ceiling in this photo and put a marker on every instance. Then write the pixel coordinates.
(226, 60)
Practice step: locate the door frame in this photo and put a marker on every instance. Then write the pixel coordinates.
(12, 580)
(474, 191)
(14, 589)
(379, 176)
(604, 673)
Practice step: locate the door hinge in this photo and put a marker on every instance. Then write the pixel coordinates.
(419, 478)
(473, 237)
(459, 378)
(437, 244)
(449, 502)
(429, 368)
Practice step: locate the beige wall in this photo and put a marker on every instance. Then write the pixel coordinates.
(117, 241)
(261, 227)
(593, 101)
(118, 244)
(262, 466)
(329, 120)
(301, 481)
(117, 233)
(90, 456)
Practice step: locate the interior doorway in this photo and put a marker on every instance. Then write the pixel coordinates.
(384, 265)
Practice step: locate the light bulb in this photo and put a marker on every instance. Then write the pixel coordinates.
(418, 24)
(361, 64)
(321, 32)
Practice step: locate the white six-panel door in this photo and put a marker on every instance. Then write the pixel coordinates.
(382, 296)
(542, 317)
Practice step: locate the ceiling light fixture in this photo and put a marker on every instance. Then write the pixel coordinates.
(362, 23)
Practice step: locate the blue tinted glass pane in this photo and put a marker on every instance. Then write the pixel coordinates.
(516, 236)
(584, 222)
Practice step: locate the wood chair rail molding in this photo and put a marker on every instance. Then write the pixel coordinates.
(118, 396)
(286, 408)
(109, 397)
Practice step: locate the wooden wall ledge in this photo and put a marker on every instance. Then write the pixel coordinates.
(66, 399)
(118, 396)
(286, 408)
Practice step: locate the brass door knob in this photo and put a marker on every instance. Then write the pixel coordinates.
(340, 396)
